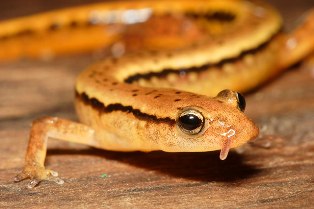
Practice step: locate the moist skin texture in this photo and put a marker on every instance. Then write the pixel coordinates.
(135, 102)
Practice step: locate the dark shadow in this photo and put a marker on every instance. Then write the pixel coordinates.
(205, 166)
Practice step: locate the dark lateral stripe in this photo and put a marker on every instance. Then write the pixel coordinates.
(96, 104)
(52, 27)
(25, 32)
(184, 71)
(220, 16)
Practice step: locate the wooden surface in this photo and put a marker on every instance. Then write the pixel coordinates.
(277, 171)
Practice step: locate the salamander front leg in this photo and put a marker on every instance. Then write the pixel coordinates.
(42, 129)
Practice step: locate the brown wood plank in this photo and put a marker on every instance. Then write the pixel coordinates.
(275, 172)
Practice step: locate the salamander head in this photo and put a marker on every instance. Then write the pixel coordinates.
(214, 124)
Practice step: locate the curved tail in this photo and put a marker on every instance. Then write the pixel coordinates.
(298, 43)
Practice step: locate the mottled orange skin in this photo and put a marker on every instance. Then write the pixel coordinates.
(154, 123)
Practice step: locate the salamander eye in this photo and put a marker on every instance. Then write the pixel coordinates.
(191, 121)
(232, 98)
(241, 102)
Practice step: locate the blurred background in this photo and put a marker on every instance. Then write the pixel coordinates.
(13, 8)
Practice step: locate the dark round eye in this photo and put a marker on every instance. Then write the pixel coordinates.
(241, 102)
(191, 121)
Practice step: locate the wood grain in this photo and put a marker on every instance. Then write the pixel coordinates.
(276, 171)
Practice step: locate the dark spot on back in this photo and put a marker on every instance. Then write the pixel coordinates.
(177, 100)
(25, 32)
(134, 95)
(92, 74)
(169, 54)
(54, 26)
(4, 37)
(73, 24)
(115, 83)
(153, 52)
(178, 92)
(157, 96)
(114, 60)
